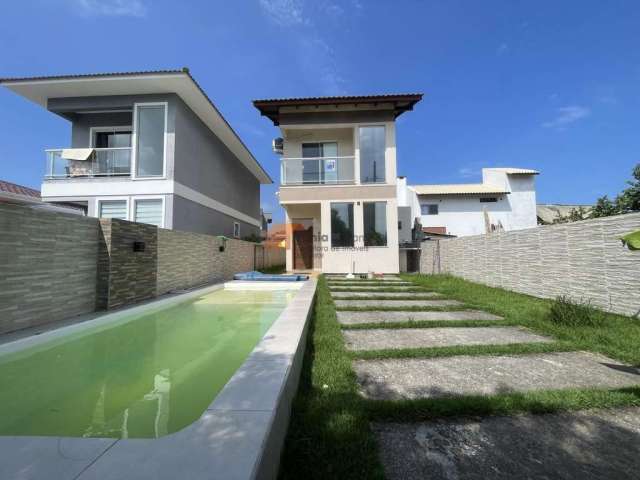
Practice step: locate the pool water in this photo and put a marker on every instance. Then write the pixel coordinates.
(141, 376)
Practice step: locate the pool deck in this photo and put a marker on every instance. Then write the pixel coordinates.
(239, 436)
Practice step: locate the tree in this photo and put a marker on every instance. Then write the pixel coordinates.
(604, 208)
(627, 201)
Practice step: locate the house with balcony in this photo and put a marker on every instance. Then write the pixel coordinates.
(147, 147)
(338, 180)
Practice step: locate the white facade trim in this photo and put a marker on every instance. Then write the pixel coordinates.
(134, 140)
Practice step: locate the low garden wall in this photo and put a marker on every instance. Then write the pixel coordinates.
(57, 265)
(585, 260)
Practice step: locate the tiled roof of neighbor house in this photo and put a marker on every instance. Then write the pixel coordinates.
(401, 102)
(459, 189)
(15, 189)
(517, 171)
(206, 110)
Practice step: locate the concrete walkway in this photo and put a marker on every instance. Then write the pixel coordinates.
(381, 338)
(589, 445)
(412, 295)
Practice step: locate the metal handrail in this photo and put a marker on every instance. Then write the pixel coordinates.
(94, 167)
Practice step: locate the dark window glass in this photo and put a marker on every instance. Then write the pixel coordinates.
(375, 224)
(342, 224)
(372, 153)
(488, 200)
(431, 209)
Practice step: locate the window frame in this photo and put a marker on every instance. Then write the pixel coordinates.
(236, 224)
(100, 200)
(134, 141)
(429, 206)
(359, 173)
(136, 199)
(353, 221)
(120, 128)
(386, 224)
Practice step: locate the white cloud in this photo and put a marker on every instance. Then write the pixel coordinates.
(566, 116)
(111, 8)
(285, 13)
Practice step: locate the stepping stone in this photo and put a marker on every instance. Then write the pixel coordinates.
(413, 295)
(355, 318)
(588, 445)
(397, 303)
(386, 338)
(373, 288)
(396, 379)
(370, 284)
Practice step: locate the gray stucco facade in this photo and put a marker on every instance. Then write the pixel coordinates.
(205, 181)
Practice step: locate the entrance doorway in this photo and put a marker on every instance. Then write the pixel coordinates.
(303, 244)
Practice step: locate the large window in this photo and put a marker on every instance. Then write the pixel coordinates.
(148, 211)
(429, 209)
(375, 224)
(150, 127)
(112, 209)
(321, 166)
(372, 149)
(342, 224)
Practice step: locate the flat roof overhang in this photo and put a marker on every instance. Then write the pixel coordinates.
(40, 89)
(400, 103)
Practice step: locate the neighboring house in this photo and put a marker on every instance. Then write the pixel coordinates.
(148, 147)
(505, 200)
(338, 180)
(265, 219)
(550, 213)
(21, 195)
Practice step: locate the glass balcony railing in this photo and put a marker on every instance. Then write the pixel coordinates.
(317, 171)
(101, 162)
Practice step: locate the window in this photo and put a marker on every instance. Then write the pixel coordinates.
(322, 169)
(150, 128)
(148, 211)
(375, 224)
(236, 230)
(112, 209)
(342, 224)
(429, 209)
(115, 162)
(488, 200)
(372, 154)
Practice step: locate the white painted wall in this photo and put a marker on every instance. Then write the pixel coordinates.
(464, 215)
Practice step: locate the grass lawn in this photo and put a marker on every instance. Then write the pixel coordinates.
(329, 435)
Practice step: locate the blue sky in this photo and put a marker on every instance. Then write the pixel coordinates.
(548, 85)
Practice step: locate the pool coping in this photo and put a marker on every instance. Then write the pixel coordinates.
(239, 436)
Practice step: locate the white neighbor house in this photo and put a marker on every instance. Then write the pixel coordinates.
(505, 200)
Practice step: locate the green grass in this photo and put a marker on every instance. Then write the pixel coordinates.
(616, 336)
(509, 349)
(329, 435)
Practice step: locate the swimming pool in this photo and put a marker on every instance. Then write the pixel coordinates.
(143, 375)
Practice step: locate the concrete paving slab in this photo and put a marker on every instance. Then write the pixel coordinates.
(45, 458)
(385, 338)
(373, 288)
(395, 379)
(413, 295)
(589, 445)
(355, 318)
(397, 303)
(371, 284)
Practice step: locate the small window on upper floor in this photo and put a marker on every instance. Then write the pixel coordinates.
(488, 200)
(236, 230)
(429, 209)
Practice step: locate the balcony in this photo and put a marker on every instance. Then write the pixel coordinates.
(317, 171)
(100, 162)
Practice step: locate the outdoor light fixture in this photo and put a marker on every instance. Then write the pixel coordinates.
(138, 246)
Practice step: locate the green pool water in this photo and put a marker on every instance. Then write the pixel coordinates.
(141, 376)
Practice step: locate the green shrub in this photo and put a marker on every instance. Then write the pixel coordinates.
(575, 313)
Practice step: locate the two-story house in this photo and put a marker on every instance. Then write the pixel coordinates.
(338, 180)
(148, 147)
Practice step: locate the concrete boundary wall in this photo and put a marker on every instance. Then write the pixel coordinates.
(55, 265)
(585, 260)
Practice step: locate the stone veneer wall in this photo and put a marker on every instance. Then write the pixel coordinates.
(585, 260)
(48, 266)
(58, 265)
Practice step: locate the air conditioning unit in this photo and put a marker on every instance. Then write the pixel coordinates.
(278, 145)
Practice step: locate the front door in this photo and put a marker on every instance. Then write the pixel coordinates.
(303, 249)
